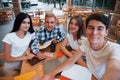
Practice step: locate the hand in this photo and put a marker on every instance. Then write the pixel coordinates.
(54, 40)
(27, 52)
(28, 56)
(41, 55)
(78, 51)
(48, 77)
(35, 77)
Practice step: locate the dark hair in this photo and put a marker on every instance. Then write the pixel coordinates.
(19, 18)
(80, 25)
(99, 17)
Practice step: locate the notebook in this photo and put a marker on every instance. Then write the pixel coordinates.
(50, 65)
(34, 61)
(77, 72)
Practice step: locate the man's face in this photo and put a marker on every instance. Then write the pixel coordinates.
(96, 31)
(50, 23)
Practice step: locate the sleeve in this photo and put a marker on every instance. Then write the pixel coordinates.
(61, 35)
(34, 44)
(6, 39)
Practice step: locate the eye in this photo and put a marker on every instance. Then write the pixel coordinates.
(71, 23)
(52, 22)
(76, 24)
(28, 22)
(100, 28)
(90, 27)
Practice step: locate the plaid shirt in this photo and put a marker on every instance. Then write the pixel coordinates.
(42, 35)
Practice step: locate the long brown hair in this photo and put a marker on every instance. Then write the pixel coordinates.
(80, 25)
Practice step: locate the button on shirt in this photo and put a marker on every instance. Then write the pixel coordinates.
(42, 35)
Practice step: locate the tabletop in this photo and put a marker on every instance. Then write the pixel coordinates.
(26, 67)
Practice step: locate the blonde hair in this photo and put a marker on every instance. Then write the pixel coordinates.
(50, 14)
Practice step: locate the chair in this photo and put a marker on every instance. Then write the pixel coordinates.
(1, 55)
(117, 32)
(36, 22)
(62, 20)
(110, 39)
(38, 11)
(67, 10)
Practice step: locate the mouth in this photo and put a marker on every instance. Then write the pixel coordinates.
(49, 28)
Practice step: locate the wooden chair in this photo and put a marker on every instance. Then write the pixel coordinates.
(110, 39)
(38, 12)
(117, 32)
(67, 10)
(1, 55)
(36, 22)
(62, 20)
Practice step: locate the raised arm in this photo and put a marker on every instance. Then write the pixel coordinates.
(112, 70)
(65, 65)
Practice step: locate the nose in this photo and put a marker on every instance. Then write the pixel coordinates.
(71, 25)
(94, 32)
(49, 24)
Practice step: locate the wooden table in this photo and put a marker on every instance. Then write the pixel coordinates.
(26, 67)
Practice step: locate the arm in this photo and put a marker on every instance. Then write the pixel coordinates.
(112, 70)
(65, 65)
(9, 58)
(34, 46)
(69, 54)
(61, 35)
(36, 50)
(63, 48)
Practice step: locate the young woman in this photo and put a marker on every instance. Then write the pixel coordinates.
(74, 37)
(16, 44)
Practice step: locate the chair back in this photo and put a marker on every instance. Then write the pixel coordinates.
(117, 29)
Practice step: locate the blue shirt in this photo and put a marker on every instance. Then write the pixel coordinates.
(42, 35)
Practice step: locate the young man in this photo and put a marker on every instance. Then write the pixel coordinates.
(47, 32)
(102, 56)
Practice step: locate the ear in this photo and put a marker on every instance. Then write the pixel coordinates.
(106, 32)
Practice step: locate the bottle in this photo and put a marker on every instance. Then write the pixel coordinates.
(53, 47)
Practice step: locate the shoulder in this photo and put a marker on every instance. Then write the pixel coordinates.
(68, 34)
(112, 45)
(114, 49)
(10, 35)
(42, 28)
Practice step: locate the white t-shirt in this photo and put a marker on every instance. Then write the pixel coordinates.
(18, 47)
(74, 44)
(97, 60)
